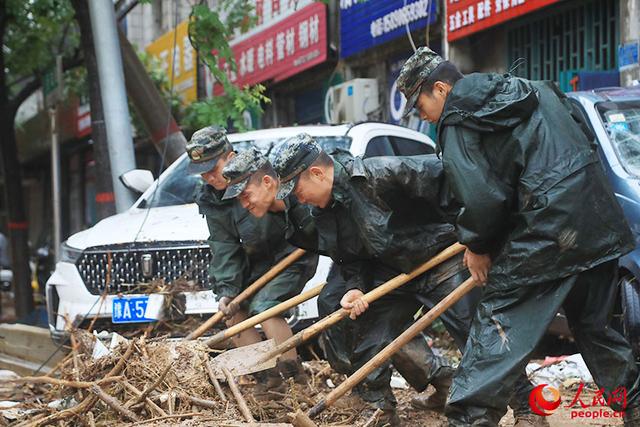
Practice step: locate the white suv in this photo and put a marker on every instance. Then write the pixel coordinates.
(163, 236)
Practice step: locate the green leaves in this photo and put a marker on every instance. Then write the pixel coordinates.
(210, 36)
(36, 31)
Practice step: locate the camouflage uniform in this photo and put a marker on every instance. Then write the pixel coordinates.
(244, 247)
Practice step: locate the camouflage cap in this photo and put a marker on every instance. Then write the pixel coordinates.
(204, 148)
(239, 169)
(414, 72)
(291, 158)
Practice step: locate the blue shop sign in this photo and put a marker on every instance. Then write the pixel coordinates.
(368, 23)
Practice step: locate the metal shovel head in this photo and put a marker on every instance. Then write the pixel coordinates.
(244, 360)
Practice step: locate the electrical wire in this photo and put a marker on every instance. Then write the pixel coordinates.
(406, 27)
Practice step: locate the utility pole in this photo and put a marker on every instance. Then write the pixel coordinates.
(105, 200)
(55, 166)
(52, 88)
(114, 98)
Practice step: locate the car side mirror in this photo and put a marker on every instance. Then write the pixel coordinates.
(138, 180)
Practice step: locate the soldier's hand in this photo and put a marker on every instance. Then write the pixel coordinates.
(478, 265)
(228, 307)
(353, 301)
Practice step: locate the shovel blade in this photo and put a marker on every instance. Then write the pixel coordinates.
(244, 360)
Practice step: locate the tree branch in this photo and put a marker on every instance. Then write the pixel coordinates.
(33, 85)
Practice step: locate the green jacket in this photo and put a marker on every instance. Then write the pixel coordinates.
(533, 193)
(243, 247)
(384, 209)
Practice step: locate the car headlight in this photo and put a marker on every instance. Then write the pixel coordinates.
(69, 254)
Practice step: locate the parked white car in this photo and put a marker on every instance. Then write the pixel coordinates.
(163, 236)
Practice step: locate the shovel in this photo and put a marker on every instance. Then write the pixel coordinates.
(249, 291)
(267, 314)
(393, 347)
(236, 360)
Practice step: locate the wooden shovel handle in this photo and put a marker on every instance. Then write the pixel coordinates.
(249, 291)
(371, 296)
(394, 346)
(267, 314)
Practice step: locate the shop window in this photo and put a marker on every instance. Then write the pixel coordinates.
(557, 42)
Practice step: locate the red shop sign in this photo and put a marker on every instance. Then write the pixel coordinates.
(466, 17)
(290, 46)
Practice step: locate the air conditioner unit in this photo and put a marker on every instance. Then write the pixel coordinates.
(351, 101)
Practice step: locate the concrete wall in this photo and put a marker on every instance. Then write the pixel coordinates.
(629, 33)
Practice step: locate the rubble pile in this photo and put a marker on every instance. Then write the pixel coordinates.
(142, 381)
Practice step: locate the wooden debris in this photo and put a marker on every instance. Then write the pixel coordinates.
(213, 379)
(239, 398)
(153, 386)
(372, 420)
(148, 401)
(300, 419)
(113, 403)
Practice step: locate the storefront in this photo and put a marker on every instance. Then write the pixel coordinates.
(286, 49)
(377, 37)
(572, 42)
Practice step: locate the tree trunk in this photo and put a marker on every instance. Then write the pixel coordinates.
(105, 202)
(18, 227)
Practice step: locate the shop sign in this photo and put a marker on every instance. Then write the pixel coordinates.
(184, 71)
(465, 17)
(367, 23)
(292, 44)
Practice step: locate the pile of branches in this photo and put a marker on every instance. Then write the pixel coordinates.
(158, 382)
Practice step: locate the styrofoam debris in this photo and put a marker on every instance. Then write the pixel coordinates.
(100, 350)
(10, 412)
(398, 382)
(554, 374)
(5, 374)
(62, 404)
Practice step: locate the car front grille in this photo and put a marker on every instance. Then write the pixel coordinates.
(122, 268)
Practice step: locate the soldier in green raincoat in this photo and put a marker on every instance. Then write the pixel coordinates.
(541, 224)
(380, 217)
(244, 248)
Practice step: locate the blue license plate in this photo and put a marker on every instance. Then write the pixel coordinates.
(130, 310)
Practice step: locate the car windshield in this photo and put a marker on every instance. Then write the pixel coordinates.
(622, 122)
(178, 188)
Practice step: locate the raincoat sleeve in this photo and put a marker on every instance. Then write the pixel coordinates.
(229, 263)
(356, 275)
(485, 200)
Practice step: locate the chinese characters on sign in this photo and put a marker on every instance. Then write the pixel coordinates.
(184, 81)
(286, 48)
(368, 23)
(465, 17)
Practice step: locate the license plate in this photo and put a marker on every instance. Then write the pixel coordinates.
(130, 310)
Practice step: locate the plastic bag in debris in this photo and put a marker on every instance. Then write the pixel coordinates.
(10, 412)
(557, 372)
